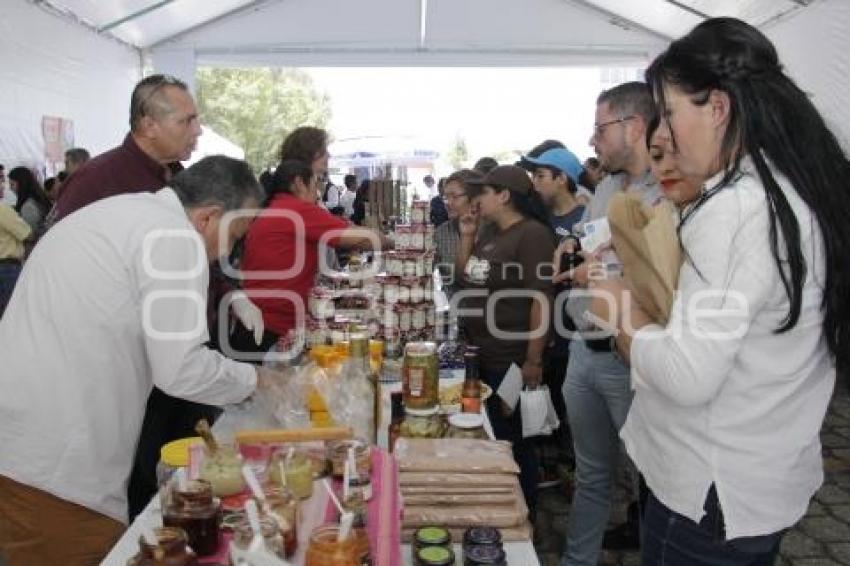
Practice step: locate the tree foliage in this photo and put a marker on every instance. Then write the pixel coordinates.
(257, 108)
(458, 154)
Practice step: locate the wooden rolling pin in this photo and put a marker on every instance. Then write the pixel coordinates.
(293, 435)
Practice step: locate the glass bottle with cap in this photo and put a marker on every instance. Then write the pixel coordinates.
(397, 417)
(470, 395)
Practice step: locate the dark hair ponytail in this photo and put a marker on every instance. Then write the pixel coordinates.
(529, 205)
(283, 178)
(773, 122)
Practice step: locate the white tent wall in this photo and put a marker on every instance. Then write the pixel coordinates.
(814, 46)
(51, 66)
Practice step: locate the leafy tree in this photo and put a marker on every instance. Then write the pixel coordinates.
(459, 153)
(257, 108)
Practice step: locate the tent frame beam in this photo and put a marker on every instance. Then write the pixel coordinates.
(69, 16)
(253, 5)
(134, 15)
(614, 17)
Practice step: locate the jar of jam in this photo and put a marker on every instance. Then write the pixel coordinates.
(484, 555)
(420, 376)
(417, 237)
(405, 318)
(285, 511)
(194, 510)
(171, 549)
(417, 293)
(409, 269)
(321, 303)
(419, 211)
(481, 536)
(419, 317)
(326, 550)
(402, 236)
(435, 556)
(404, 290)
(391, 290)
(338, 454)
(243, 535)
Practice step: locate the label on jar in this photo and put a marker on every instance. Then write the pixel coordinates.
(416, 381)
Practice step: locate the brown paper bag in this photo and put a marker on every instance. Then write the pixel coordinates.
(646, 242)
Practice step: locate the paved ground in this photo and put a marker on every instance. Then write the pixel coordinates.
(822, 538)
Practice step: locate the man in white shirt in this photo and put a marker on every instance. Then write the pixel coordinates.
(111, 303)
(346, 200)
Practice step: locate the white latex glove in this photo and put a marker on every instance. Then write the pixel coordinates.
(248, 314)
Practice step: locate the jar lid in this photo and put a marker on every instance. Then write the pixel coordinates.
(485, 554)
(482, 535)
(422, 412)
(467, 420)
(435, 556)
(176, 453)
(432, 536)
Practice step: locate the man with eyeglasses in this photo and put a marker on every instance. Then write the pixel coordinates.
(597, 389)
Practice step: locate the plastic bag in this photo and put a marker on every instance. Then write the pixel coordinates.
(538, 413)
(455, 455)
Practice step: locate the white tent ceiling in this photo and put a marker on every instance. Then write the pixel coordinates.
(410, 32)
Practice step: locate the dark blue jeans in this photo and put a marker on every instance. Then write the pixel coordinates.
(670, 539)
(9, 273)
(510, 428)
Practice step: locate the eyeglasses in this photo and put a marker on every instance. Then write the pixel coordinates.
(458, 196)
(599, 129)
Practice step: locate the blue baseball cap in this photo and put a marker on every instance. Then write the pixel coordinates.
(560, 158)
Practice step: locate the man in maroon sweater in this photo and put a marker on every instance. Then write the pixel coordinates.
(164, 129)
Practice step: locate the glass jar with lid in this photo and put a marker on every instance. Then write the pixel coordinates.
(404, 318)
(422, 423)
(418, 318)
(338, 453)
(325, 548)
(285, 510)
(467, 425)
(420, 376)
(403, 236)
(243, 535)
(171, 547)
(193, 509)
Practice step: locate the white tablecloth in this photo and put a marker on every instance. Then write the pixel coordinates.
(518, 553)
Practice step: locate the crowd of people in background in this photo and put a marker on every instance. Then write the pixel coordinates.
(719, 415)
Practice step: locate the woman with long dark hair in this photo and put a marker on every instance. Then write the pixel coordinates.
(507, 265)
(731, 395)
(32, 202)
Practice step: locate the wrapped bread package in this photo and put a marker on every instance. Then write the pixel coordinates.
(455, 480)
(457, 499)
(454, 455)
(407, 490)
(512, 514)
(646, 242)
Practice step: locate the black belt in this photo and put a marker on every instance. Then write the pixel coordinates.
(600, 345)
(10, 260)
